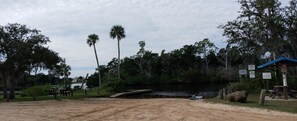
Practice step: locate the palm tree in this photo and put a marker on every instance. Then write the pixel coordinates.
(118, 32)
(65, 72)
(92, 39)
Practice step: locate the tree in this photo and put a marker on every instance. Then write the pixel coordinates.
(21, 48)
(92, 39)
(189, 57)
(205, 47)
(223, 56)
(291, 24)
(258, 28)
(65, 72)
(139, 58)
(118, 32)
(141, 50)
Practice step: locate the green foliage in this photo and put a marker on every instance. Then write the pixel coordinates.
(103, 91)
(193, 76)
(118, 32)
(39, 79)
(257, 83)
(138, 80)
(36, 91)
(93, 81)
(246, 84)
(237, 86)
(23, 49)
(164, 78)
(253, 32)
(182, 65)
(292, 82)
(116, 86)
(263, 25)
(92, 39)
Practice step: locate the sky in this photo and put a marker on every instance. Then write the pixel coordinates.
(162, 24)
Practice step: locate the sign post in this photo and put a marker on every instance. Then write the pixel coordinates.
(251, 69)
(266, 76)
(252, 74)
(243, 72)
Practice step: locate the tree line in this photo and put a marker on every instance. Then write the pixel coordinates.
(196, 63)
(262, 26)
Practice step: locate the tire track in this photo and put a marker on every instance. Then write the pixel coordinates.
(88, 113)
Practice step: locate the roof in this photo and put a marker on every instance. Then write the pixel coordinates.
(281, 60)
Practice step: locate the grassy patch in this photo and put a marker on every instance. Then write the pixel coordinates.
(252, 101)
(77, 94)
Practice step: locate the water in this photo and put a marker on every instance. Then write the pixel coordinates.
(207, 90)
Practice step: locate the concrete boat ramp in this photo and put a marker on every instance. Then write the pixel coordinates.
(131, 92)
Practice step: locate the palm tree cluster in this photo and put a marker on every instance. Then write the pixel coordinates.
(117, 32)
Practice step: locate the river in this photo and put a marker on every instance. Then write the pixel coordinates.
(207, 90)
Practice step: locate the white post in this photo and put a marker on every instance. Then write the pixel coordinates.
(285, 79)
(285, 89)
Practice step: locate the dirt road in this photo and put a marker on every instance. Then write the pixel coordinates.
(106, 109)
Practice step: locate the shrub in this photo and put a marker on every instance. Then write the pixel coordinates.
(103, 91)
(137, 80)
(292, 82)
(237, 86)
(36, 91)
(116, 85)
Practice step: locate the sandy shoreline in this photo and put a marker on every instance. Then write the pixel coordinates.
(107, 109)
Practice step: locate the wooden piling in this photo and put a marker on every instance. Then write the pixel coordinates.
(285, 92)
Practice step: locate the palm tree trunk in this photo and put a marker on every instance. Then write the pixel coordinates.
(226, 61)
(119, 61)
(206, 61)
(99, 76)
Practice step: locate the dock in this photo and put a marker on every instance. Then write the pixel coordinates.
(131, 92)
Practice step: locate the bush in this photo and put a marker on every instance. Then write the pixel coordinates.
(116, 86)
(292, 82)
(36, 91)
(103, 91)
(237, 86)
(138, 80)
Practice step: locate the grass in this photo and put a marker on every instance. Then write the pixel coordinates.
(252, 101)
(77, 94)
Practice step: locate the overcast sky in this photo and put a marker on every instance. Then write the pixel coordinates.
(162, 24)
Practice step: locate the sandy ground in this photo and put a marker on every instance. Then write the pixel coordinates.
(106, 109)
